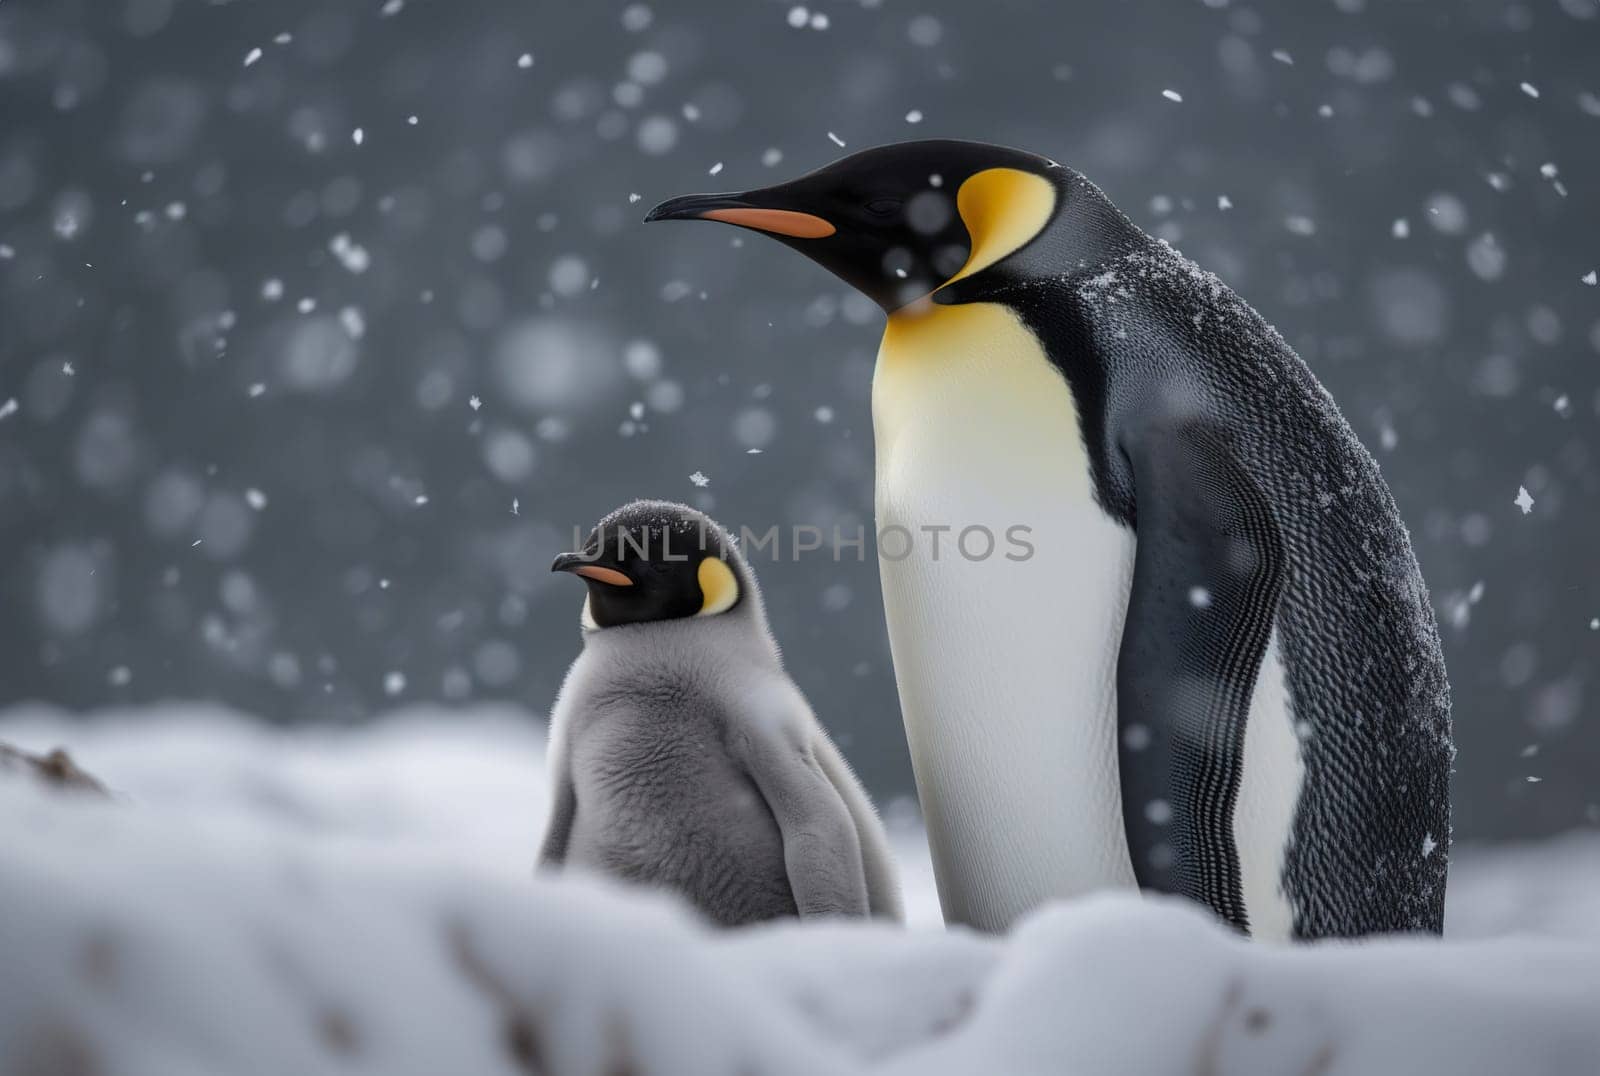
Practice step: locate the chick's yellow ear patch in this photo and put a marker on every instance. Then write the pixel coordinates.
(1003, 208)
(719, 587)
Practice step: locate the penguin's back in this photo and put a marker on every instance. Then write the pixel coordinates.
(1354, 631)
(661, 800)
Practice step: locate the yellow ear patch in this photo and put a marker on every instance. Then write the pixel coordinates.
(719, 587)
(1003, 208)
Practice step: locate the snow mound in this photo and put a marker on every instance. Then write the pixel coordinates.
(335, 901)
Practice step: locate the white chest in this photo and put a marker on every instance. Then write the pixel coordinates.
(1005, 659)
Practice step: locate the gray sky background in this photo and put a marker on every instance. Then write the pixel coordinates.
(298, 300)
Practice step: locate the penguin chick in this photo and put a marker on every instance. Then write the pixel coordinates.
(682, 754)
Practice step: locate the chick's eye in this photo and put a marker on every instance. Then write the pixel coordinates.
(883, 207)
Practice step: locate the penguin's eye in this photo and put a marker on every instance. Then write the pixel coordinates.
(883, 207)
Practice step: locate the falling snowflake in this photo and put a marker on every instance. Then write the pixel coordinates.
(8, 408)
(474, 403)
(1530, 89)
(714, 169)
(525, 61)
(255, 499)
(352, 255)
(700, 480)
(394, 683)
(515, 506)
(1524, 500)
(358, 136)
(914, 116)
(353, 322)
(836, 140)
(67, 369)
(252, 56)
(1591, 278)
(1224, 202)
(1173, 95)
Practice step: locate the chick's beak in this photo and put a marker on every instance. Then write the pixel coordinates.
(579, 564)
(739, 209)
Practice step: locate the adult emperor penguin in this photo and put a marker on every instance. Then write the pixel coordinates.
(682, 754)
(1217, 674)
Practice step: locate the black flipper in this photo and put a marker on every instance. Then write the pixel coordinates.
(1206, 579)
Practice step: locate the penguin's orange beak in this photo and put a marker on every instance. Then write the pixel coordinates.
(578, 564)
(733, 209)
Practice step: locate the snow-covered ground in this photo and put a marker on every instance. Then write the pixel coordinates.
(308, 900)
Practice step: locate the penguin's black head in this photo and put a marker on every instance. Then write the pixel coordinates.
(654, 560)
(897, 222)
